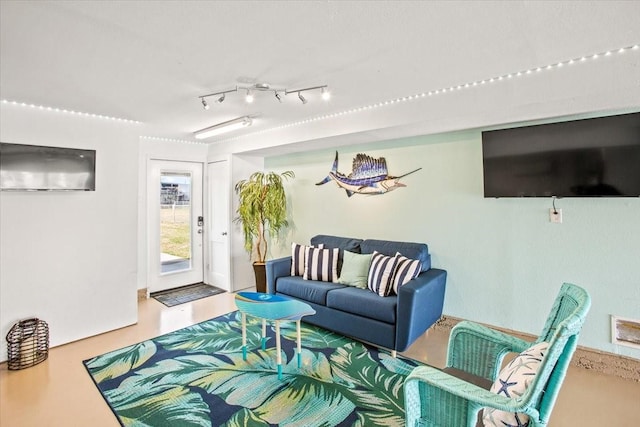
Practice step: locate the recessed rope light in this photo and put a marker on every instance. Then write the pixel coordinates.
(462, 86)
(184, 141)
(466, 86)
(72, 112)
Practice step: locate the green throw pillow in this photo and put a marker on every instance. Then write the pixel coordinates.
(355, 269)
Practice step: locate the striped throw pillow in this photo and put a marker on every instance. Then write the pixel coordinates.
(299, 258)
(381, 273)
(406, 269)
(322, 264)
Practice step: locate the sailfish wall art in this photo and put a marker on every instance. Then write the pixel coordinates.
(368, 176)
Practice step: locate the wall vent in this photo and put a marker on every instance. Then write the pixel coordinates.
(625, 331)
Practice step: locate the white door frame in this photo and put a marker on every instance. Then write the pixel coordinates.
(157, 281)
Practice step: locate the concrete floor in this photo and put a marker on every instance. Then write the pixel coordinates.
(59, 392)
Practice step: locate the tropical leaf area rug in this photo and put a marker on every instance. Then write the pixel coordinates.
(196, 376)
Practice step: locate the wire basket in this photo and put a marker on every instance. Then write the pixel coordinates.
(28, 343)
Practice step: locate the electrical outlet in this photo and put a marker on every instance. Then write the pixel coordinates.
(555, 215)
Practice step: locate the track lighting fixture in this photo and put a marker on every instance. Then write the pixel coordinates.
(265, 87)
(204, 104)
(223, 127)
(326, 95)
(324, 89)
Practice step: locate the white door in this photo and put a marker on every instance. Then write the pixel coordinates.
(219, 265)
(175, 230)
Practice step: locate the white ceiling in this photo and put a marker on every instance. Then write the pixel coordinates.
(150, 60)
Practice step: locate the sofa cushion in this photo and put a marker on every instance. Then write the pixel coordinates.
(419, 251)
(342, 243)
(363, 303)
(406, 270)
(355, 269)
(321, 264)
(299, 258)
(381, 272)
(306, 290)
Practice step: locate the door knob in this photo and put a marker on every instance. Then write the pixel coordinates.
(224, 233)
(199, 230)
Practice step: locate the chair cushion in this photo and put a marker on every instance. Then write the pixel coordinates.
(418, 251)
(470, 378)
(513, 381)
(406, 270)
(321, 264)
(363, 303)
(381, 274)
(306, 290)
(355, 269)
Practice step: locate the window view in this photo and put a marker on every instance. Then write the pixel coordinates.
(175, 221)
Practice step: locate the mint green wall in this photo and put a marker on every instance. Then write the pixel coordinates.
(504, 258)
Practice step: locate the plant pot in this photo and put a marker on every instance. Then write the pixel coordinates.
(260, 271)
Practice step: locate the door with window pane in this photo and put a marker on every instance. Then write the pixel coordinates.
(176, 226)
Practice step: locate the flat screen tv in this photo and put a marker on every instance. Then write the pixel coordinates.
(38, 168)
(597, 157)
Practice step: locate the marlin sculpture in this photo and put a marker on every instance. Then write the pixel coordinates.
(368, 176)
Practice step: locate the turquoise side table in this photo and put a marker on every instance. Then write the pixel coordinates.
(271, 307)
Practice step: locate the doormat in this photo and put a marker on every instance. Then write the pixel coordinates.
(185, 294)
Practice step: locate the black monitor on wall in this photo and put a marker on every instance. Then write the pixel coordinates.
(40, 168)
(597, 157)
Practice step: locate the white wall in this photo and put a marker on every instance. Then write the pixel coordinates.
(70, 258)
(505, 260)
(242, 167)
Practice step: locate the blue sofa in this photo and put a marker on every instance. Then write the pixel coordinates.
(392, 322)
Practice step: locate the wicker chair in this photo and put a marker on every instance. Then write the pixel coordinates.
(437, 398)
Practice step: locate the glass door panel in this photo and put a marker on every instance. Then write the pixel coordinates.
(175, 222)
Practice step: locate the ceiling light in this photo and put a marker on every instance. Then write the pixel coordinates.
(204, 104)
(223, 127)
(266, 87)
(326, 95)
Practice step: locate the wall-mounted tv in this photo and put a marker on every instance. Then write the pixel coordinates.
(38, 168)
(597, 157)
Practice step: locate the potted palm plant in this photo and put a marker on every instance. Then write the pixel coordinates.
(262, 207)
